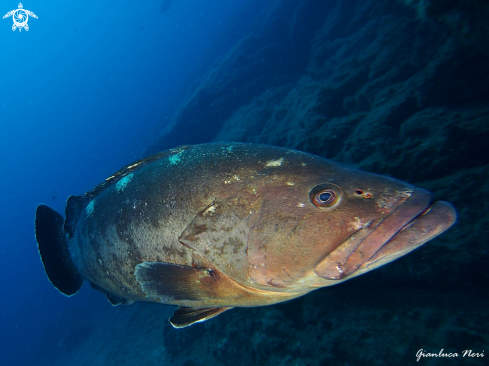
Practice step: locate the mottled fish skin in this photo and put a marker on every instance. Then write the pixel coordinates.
(244, 215)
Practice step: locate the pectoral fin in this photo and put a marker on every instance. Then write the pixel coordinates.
(200, 287)
(183, 317)
(177, 284)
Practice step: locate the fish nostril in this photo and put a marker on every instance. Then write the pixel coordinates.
(360, 192)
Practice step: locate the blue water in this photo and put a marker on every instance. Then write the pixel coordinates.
(82, 93)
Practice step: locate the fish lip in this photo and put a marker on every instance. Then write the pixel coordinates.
(361, 251)
(422, 213)
(435, 219)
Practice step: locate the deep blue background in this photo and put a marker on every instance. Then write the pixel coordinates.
(82, 93)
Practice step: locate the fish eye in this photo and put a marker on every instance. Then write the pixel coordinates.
(323, 196)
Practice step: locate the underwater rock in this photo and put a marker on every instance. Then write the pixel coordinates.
(389, 88)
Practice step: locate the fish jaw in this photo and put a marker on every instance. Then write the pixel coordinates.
(435, 220)
(411, 225)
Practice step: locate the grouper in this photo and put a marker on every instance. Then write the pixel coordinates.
(215, 226)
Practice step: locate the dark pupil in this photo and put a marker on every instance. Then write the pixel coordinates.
(325, 196)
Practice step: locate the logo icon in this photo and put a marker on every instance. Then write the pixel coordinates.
(20, 17)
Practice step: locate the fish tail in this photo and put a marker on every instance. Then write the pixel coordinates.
(53, 249)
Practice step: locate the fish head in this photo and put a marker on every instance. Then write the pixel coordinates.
(321, 223)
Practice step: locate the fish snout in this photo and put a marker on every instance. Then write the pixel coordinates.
(433, 221)
(410, 225)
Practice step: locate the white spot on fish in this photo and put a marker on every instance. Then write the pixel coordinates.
(90, 207)
(301, 205)
(210, 210)
(388, 199)
(122, 184)
(174, 159)
(277, 162)
(290, 183)
(357, 225)
(359, 222)
(230, 180)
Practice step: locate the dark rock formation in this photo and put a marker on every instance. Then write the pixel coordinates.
(397, 88)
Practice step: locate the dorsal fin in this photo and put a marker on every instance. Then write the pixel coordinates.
(76, 204)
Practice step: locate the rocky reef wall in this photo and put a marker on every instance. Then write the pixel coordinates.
(399, 88)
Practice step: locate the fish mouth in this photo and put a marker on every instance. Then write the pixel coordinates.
(416, 221)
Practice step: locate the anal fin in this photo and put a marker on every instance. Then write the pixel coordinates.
(117, 300)
(184, 317)
(113, 299)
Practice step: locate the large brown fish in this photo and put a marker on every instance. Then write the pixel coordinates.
(216, 226)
